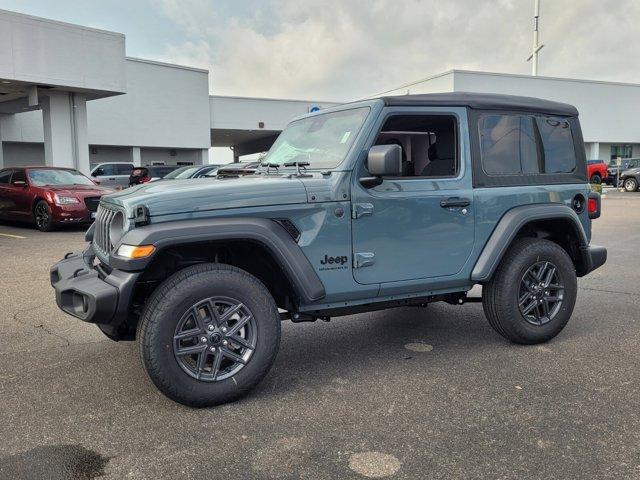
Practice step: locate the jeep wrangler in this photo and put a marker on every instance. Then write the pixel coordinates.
(395, 201)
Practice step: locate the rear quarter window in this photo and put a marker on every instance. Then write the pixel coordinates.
(557, 144)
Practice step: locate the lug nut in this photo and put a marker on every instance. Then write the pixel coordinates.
(225, 342)
(210, 327)
(224, 329)
(212, 349)
(203, 339)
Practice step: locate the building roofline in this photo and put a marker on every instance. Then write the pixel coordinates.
(541, 77)
(166, 64)
(23, 16)
(270, 99)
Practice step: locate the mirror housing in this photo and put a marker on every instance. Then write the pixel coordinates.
(385, 160)
(19, 183)
(382, 161)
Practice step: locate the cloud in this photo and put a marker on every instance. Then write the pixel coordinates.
(336, 49)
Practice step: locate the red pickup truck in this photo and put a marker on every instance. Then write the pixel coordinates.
(596, 170)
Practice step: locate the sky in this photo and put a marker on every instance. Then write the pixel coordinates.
(339, 50)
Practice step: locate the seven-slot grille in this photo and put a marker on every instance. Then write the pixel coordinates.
(101, 241)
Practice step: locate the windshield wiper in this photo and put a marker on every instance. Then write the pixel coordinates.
(298, 164)
(269, 165)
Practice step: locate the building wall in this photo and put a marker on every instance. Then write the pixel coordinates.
(238, 113)
(46, 52)
(166, 106)
(22, 154)
(102, 154)
(436, 84)
(164, 156)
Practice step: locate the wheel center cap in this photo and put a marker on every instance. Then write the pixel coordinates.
(215, 338)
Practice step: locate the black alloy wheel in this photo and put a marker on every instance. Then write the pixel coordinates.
(215, 339)
(541, 293)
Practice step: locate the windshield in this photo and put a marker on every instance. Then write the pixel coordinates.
(57, 177)
(184, 172)
(321, 140)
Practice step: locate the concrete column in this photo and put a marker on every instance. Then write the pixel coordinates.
(203, 156)
(64, 118)
(136, 156)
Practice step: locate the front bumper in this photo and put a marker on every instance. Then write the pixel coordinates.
(89, 293)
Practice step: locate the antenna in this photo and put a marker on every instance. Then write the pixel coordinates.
(536, 46)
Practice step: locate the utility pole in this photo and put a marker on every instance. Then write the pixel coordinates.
(536, 46)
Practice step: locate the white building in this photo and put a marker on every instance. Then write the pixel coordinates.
(70, 97)
(608, 110)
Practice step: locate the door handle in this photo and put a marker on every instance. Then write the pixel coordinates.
(455, 202)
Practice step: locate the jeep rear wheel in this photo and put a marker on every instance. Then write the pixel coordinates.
(209, 334)
(532, 293)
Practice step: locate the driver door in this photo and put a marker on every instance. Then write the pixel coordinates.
(418, 226)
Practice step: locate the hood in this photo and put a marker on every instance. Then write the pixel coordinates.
(201, 194)
(78, 190)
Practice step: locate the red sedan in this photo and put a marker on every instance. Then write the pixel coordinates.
(48, 196)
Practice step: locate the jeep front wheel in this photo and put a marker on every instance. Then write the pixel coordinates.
(209, 334)
(532, 293)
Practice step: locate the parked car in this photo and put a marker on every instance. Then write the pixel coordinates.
(613, 169)
(352, 220)
(48, 196)
(150, 173)
(197, 171)
(238, 169)
(596, 171)
(113, 174)
(630, 178)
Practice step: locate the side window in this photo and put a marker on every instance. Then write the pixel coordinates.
(105, 170)
(557, 142)
(508, 145)
(19, 176)
(5, 176)
(429, 143)
(124, 169)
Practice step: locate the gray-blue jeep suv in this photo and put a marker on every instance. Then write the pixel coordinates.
(389, 202)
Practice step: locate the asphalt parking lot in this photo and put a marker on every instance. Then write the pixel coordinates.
(406, 393)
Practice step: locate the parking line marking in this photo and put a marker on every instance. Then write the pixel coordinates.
(10, 236)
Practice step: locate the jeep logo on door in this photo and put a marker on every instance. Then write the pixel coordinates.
(334, 263)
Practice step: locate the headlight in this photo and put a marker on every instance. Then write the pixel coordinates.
(66, 200)
(135, 251)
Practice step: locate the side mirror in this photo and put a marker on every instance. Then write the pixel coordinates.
(19, 183)
(382, 161)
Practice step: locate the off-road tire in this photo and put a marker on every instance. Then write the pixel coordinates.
(170, 301)
(595, 178)
(39, 209)
(500, 296)
(630, 185)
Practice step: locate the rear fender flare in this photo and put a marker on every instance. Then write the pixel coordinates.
(509, 226)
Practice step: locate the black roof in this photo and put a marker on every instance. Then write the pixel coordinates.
(484, 101)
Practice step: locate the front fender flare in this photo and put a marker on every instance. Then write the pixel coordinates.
(266, 232)
(509, 226)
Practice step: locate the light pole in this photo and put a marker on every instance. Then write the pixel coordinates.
(536, 46)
